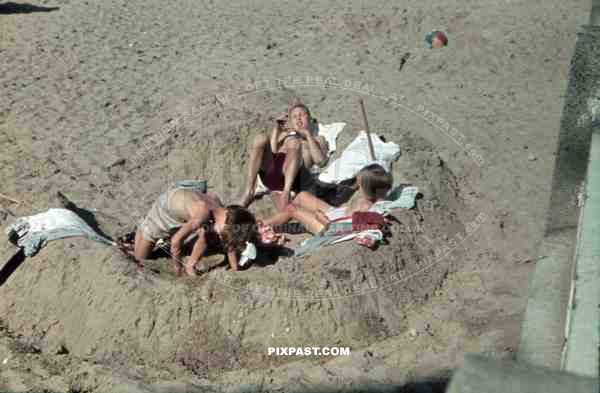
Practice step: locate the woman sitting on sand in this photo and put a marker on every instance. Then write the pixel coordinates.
(181, 212)
(374, 183)
(284, 159)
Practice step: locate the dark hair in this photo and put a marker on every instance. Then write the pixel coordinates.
(240, 227)
(375, 181)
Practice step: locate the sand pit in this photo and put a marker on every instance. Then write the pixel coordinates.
(111, 313)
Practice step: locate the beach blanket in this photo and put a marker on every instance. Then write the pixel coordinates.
(356, 156)
(32, 233)
(324, 239)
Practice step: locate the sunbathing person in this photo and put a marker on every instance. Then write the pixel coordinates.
(373, 182)
(182, 212)
(286, 157)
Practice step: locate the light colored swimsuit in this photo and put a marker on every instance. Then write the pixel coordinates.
(163, 220)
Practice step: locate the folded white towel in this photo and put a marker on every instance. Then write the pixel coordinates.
(330, 132)
(406, 200)
(356, 156)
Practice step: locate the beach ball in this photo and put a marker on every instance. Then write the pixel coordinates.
(436, 39)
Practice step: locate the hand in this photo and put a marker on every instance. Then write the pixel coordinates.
(279, 117)
(304, 132)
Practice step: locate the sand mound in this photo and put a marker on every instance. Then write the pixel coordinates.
(92, 302)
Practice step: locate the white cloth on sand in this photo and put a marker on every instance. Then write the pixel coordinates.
(405, 201)
(34, 232)
(330, 132)
(356, 156)
(249, 254)
(375, 234)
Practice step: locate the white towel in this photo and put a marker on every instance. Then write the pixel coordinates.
(406, 200)
(330, 132)
(249, 254)
(374, 233)
(356, 156)
(260, 189)
(34, 232)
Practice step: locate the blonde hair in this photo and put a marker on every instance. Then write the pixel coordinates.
(298, 104)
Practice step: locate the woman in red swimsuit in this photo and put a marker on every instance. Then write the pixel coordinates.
(283, 160)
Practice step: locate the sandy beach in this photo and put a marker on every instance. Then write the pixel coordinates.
(107, 102)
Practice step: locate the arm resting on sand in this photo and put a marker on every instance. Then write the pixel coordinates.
(199, 214)
(177, 241)
(233, 260)
(199, 248)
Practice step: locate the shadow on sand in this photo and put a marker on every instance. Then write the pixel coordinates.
(23, 8)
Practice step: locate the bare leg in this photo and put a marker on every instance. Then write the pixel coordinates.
(260, 156)
(309, 221)
(190, 269)
(278, 219)
(143, 247)
(308, 201)
(291, 165)
(279, 200)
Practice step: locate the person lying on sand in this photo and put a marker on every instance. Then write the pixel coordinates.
(188, 211)
(285, 157)
(373, 182)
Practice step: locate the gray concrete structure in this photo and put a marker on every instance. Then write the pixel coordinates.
(485, 375)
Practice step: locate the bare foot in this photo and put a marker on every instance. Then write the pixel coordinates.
(177, 268)
(127, 248)
(324, 228)
(190, 269)
(129, 252)
(322, 217)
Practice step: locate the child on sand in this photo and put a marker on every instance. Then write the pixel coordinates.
(374, 183)
(181, 212)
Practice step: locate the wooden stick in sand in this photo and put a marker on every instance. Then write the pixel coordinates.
(364, 113)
